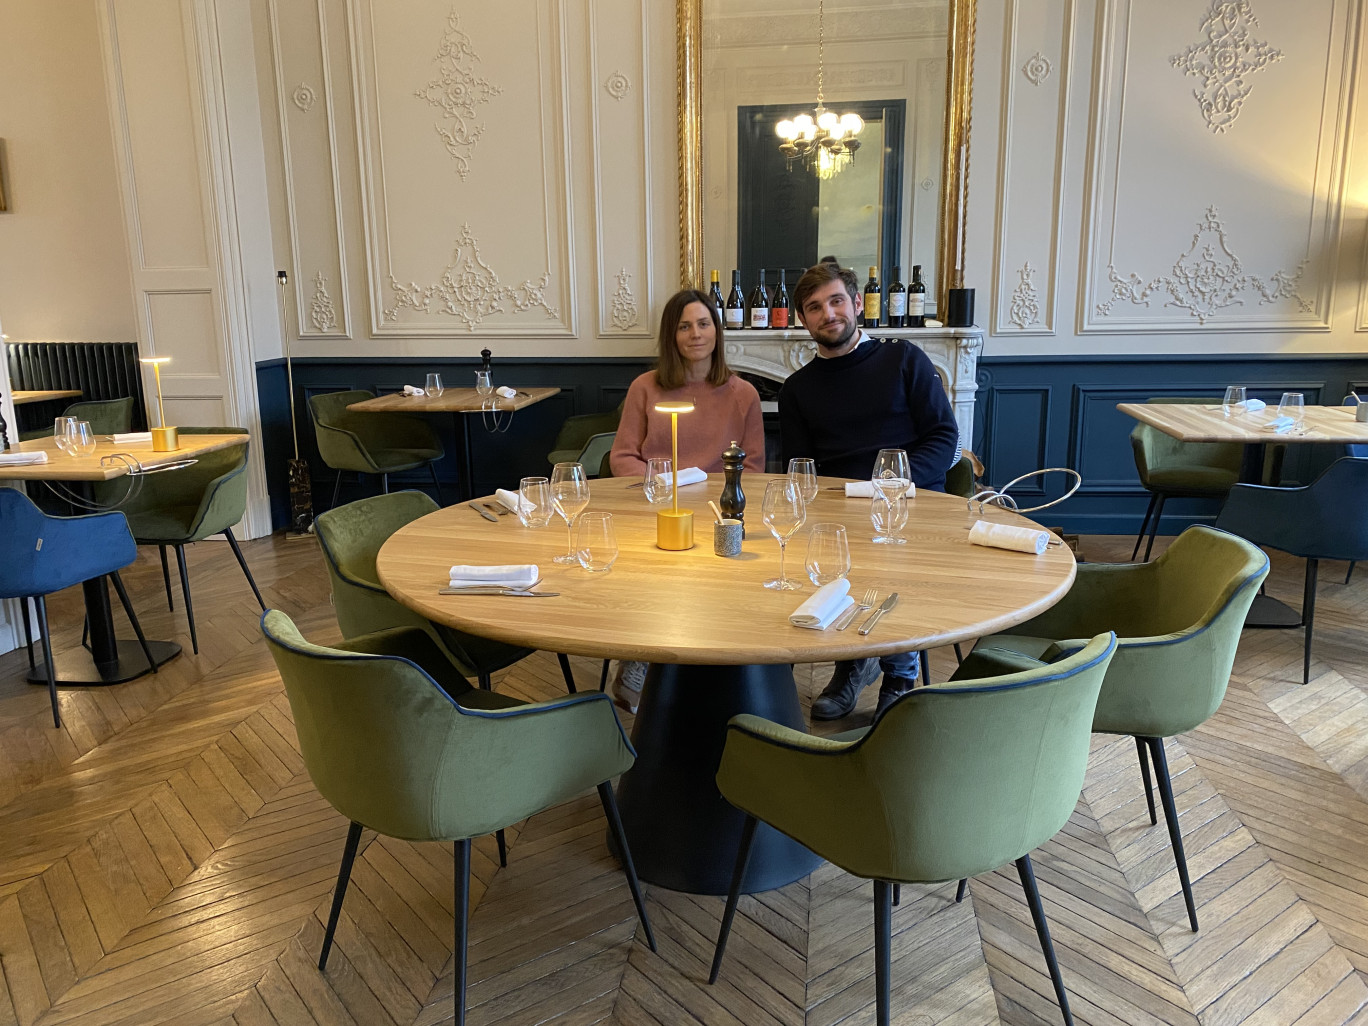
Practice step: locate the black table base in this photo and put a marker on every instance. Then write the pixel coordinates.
(684, 834)
(1268, 612)
(129, 663)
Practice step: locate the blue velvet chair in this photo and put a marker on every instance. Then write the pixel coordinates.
(1357, 450)
(40, 554)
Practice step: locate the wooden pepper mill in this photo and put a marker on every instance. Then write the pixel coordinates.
(733, 500)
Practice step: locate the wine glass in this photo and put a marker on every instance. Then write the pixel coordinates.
(891, 476)
(483, 385)
(889, 516)
(433, 388)
(784, 512)
(804, 471)
(82, 439)
(1234, 401)
(828, 554)
(535, 508)
(1293, 404)
(569, 494)
(658, 484)
(595, 542)
(62, 430)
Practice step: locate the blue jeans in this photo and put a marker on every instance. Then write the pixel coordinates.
(901, 664)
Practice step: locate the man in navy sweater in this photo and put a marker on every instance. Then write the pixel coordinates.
(857, 397)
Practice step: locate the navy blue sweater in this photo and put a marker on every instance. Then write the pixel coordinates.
(881, 395)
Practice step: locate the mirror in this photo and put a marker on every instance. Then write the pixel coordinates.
(904, 66)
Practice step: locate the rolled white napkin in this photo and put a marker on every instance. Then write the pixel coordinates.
(687, 476)
(130, 437)
(511, 500)
(1281, 425)
(505, 392)
(413, 390)
(1253, 405)
(821, 609)
(865, 490)
(1009, 536)
(513, 575)
(20, 459)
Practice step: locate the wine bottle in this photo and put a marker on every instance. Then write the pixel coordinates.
(897, 300)
(736, 306)
(872, 299)
(759, 304)
(779, 304)
(715, 294)
(916, 299)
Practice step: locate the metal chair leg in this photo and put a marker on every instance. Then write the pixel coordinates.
(503, 848)
(384, 483)
(486, 684)
(897, 894)
(924, 660)
(462, 926)
(1350, 572)
(28, 631)
(1140, 536)
(166, 579)
(1309, 615)
(185, 591)
(959, 653)
(603, 677)
(566, 672)
(337, 490)
(132, 618)
(959, 891)
(734, 895)
(1161, 773)
(340, 891)
(1028, 884)
(436, 485)
(610, 810)
(1145, 772)
(1154, 528)
(228, 533)
(41, 602)
(883, 944)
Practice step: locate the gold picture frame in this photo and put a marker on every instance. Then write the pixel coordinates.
(4, 203)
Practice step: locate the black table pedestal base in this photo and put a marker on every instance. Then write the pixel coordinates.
(1268, 612)
(684, 834)
(79, 667)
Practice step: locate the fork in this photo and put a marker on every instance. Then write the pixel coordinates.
(871, 596)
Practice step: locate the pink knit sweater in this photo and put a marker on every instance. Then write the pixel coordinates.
(722, 414)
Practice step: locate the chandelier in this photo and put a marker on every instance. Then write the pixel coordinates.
(821, 141)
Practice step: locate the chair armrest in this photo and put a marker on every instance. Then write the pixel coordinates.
(595, 449)
(223, 503)
(1100, 592)
(339, 446)
(418, 647)
(763, 730)
(1265, 515)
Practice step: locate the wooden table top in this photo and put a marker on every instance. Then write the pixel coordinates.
(30, 396)
(61, 467)
(697, 608)
(1194, 422)
(452, 400)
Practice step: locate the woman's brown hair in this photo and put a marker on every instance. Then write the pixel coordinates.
(670, 366)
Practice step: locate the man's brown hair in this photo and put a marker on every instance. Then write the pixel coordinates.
(819, 276)
(670, 366)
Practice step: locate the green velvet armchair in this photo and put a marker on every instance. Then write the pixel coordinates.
(105, 416)
(351, 537)
(1178, 620)
(398, 743)
(587, 438)
(371, 443)
(950, 781)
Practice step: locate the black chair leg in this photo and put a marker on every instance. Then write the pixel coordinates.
(462, 926)
(166, 579)
(1028, 884)
(566, 672)
(734, 895)
(883, 944)
(436, 485)
(340, 891)
(1140, 536)
(959, 653)
(1309, 615)
(1145, 772)
(897, 894)
(228, 533)
(41, 602)
(603, 677)
(185, 592)
(384, 483)
(1350, 572)
(28, 632)
(132, 617)
(1154, 527)
(610, 810)
(1161, 773)
(924, 661)
(959, 891)
(485, 683)
(337, 490)
(503, 848)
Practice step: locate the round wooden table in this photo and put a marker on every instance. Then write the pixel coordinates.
(718, 641)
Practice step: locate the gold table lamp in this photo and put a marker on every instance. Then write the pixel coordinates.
(674, 526)
(164, 439)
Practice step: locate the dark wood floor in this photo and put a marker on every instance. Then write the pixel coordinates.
(164, 858)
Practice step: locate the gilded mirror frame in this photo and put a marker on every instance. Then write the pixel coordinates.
(959, 75)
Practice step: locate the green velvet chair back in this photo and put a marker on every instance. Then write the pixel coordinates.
(950, 782)
(576, 432)
(389, 749)
(369, 443)
(106, 416)
(1188, 465)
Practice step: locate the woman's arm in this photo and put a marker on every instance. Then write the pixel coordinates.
(626, 459)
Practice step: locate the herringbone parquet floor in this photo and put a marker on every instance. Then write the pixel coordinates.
(164, 858)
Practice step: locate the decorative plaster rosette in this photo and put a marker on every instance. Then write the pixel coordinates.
(1222, 62)
(1025, 308)
(455, 92)
(321, 313)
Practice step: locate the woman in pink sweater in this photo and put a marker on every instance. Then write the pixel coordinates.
(691, 367)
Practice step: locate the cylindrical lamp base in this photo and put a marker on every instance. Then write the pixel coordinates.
(165, 439)
(674, 529)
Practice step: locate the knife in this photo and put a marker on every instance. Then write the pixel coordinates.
(888, 604)
(506, 592)
(485, 513)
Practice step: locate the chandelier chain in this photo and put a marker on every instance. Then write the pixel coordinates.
(821, 49)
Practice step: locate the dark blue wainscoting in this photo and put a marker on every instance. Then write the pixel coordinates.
(1035, 412)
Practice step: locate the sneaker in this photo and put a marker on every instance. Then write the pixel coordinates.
(891, 690)
(627, 682)
(839, 696)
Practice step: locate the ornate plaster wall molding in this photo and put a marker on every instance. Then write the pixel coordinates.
(303, 97)
(456, 91)
(1206, 279)
(321, 313)
(1037, 69)
(1025, 308)
(1224, 59)
(618, 85)
(624, 309)
(469, 289)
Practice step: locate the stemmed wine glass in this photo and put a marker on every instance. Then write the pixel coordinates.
(891, 478)
(804, 472)
(570, 494)
(784, 512)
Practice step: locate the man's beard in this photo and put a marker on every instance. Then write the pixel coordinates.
(843, 340)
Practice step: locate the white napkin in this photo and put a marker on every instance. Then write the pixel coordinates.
(19, 459)
(1009, 536)
(514, 575)
(130, 437)
(510, 500)
(865, 490)
(1253, 405)
(827, 602)
(506, 392)
(413, 390)
(1281, 425)
(687, 476)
